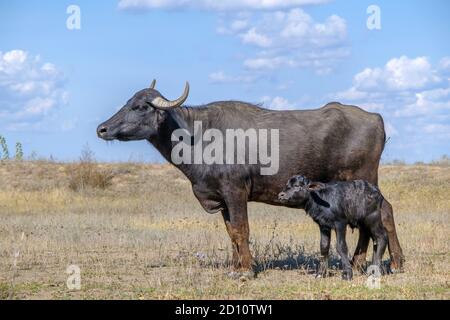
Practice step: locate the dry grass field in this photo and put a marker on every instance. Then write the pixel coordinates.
(143, 235)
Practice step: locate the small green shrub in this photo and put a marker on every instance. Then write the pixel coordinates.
(19, 152)
(5, 150)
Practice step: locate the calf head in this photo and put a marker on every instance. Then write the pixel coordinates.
(297, 191)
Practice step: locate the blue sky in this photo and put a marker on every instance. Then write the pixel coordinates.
(57, 85)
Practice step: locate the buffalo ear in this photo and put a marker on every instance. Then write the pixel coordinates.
(180, 121)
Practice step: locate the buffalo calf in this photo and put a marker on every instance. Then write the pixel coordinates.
(335, 205)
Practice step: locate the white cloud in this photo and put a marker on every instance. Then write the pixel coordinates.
(412, 94)
(290, 39)
(351, 94)
(444, 65)
(221, 77)
(29, 88)
(215, 5)
(12, 61)
(290, 29)
(402, 78)
(268, 63)
(426, 103)
(238, 25)
(277, 103)
(322, 62)
(398, 74)
(251, 36)
(298, 28)
(437, 128)
(39, 105)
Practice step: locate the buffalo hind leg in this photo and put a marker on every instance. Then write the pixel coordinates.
(359, 257)
(395, 251)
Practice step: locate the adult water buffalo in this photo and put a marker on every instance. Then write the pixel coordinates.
(335, 142)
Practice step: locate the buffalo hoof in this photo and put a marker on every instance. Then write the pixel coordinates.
(393, 268)
(242, 275)
(396, 264)
(347, 275)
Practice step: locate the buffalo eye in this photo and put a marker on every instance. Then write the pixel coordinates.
(294, 182)
(140, 108)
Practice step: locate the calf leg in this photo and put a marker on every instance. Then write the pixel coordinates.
(341, 247)
(325, 237)
(379, 246)
(395, 251)
(378, 250)
(359, 257)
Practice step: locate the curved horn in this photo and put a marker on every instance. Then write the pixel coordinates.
(152, 85)
(162, 103)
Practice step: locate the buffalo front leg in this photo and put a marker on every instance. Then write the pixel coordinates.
(235, 260)
(395, 251)
(236, 222)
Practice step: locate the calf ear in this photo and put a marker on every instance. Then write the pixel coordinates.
(315, 186)
(317, 199)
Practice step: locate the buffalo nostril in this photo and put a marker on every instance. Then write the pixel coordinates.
(281, 195)
(102, 130)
